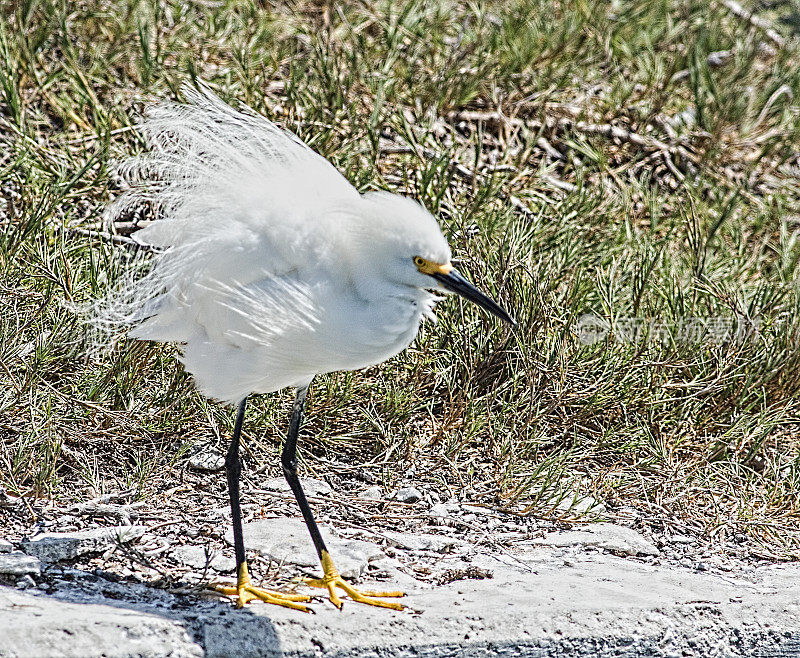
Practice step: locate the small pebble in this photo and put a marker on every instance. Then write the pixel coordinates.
(408, 495)
(682, 539)
(207, 458)
(373, 493)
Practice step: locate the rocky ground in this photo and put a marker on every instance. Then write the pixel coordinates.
(117, 577)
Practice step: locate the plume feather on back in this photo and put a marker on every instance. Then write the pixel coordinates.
(241, 207)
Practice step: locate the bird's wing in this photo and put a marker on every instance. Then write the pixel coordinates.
(240, 202)
(240, 338)
(209, 168)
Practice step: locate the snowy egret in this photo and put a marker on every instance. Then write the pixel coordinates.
(270, 268)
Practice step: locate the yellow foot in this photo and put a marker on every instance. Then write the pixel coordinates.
(331, 580)
(244, 591)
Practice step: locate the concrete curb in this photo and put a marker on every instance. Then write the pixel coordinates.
(591, 605)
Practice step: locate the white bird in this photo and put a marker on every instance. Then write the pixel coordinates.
(270, 268)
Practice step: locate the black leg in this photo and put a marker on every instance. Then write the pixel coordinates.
(331, 578)
(289, 463)
(243, 589)
(233, 468)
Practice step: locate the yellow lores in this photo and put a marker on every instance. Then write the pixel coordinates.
(429, 267)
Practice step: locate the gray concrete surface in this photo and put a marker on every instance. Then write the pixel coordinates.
(614, 538)
(56, 546)
(543, 602)
(17, 563)
(286, 540)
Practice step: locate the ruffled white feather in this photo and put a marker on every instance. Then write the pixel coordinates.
(261, 248)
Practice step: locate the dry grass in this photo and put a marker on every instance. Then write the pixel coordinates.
(637, 160)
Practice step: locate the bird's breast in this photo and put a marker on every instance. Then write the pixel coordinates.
(360, 333)
(336, 330)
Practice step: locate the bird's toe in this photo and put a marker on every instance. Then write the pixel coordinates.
(366, 597)
(244, 593)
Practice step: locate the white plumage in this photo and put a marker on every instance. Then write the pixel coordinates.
(271, 267)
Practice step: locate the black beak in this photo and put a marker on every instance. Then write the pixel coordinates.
(458, 284)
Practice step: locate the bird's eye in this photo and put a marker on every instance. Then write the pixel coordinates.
(419, 261)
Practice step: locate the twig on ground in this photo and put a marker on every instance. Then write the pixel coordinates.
(603, 129)
(473, 116)
(95, 508)
(714, 60)
(93, 136)
(559, 184)
(622, 134)
(548, 148)
(517, 203)
(395, 149)
(756, 21)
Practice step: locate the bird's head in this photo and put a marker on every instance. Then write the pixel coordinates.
(406, 246)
